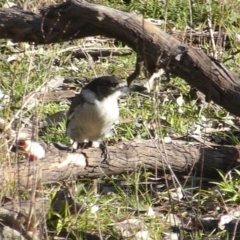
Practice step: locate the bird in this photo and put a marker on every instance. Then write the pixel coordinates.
(94, 111)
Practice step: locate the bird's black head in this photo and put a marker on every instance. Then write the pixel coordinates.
(104, 86)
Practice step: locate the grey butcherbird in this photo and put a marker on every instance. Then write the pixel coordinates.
(94, 112)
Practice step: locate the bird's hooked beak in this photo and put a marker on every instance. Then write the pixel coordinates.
(133, 88)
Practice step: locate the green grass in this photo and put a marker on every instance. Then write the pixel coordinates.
(145, 117)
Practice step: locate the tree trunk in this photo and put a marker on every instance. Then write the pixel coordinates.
(156, 49)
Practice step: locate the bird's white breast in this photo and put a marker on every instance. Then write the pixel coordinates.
(95, 118)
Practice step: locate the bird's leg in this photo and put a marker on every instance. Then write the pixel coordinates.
(105, 152)
(104, 147)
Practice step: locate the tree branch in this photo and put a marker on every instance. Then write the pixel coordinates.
(77, 19)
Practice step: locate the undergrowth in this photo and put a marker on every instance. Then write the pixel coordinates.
(131, 204)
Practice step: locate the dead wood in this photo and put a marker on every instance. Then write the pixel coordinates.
(21, 216)
(29, 217)
(156, 49)
(125, 156)
(52, 96)
(99, 53)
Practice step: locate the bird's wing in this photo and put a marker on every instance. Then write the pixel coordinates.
(78, 100)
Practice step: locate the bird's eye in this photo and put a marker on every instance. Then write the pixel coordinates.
(111, 84)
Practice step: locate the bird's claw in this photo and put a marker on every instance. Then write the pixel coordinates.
(105, 153)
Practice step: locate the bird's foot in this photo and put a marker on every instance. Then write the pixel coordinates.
(105, 153)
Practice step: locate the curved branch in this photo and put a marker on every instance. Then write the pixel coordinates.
(77, 19)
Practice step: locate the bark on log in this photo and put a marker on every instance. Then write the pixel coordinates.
(77, 19)
(125, 156)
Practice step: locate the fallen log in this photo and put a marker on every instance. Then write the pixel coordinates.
(129, 156)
